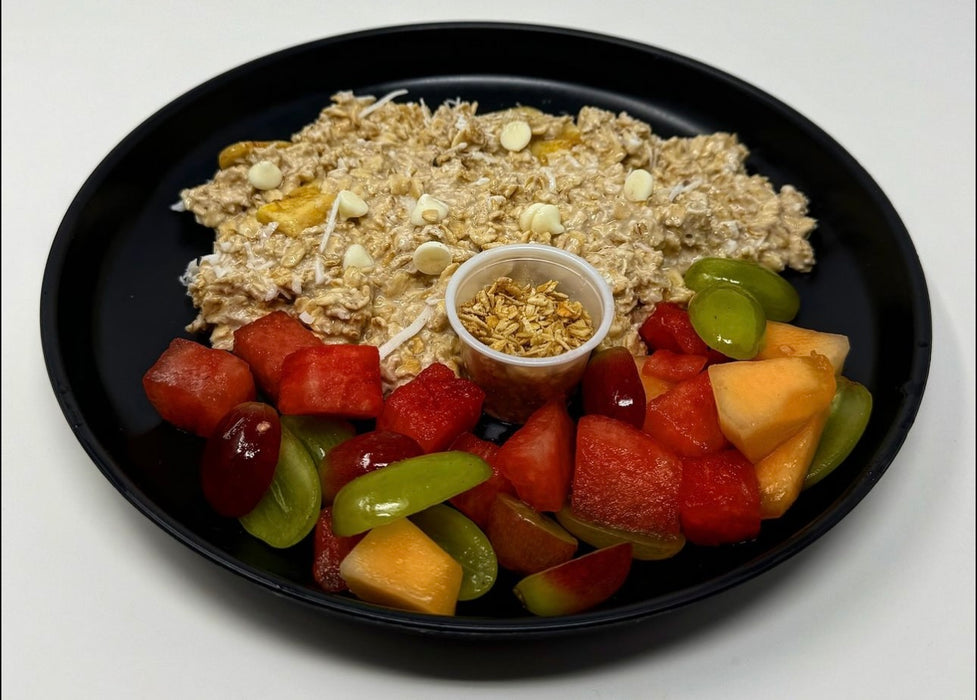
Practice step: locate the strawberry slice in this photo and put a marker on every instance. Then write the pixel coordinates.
(434, 408)
(336, 380)
(719, 500)
(538, 458)
(266, 342)
(477, 502)
(685, 419)
(193, 386)
(623, 478)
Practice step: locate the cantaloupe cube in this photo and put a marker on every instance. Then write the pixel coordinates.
(761, 403)
(399, 566)
(781, 473)
(787, 340)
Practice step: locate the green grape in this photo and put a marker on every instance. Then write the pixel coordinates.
(290, 507)
(851, 408)
(778, 298)
(466, 543)
(319, 434)
(404, 488)
(728, 319)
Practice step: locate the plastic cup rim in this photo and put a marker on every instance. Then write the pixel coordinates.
(528, 251)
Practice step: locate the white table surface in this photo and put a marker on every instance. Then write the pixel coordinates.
(100, 603)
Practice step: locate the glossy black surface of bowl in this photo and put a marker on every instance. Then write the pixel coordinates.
(111, 299)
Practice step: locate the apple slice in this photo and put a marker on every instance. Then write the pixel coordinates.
(644, 547)
(525, 541)
(788, 340)
(762, 403)
(780, 475)
(578, 584)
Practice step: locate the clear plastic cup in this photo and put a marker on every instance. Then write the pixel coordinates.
(516, 386)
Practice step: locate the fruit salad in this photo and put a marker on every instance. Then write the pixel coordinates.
(730, 413)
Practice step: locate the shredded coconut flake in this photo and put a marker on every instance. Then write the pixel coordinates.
(306, 318)
(382, 101)
(330, 225)
(178, 206)
(406, 334)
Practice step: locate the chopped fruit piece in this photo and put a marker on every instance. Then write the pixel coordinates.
(776, 296)
(762, 403)
(643, 547)
(335, 380)
(538, 458)
(466, 543)
(239, 459)
(319, 434)
(781, 473)
(672, 366)
(192, 386)
(302, 208)
(850, 410)
(654, 386)
(329, 551)
(477, 502)
(266, 342)
(404, 488)
(433, 408)
(625, 479)
(399, 566)
(290, 507)
(362, 454)
(526, 541)
(611, 386)
(578, 584)
(669, 327)
(684, 419)
(786, 340)
(719, 500)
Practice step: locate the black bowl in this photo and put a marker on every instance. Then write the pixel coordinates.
(111, 299)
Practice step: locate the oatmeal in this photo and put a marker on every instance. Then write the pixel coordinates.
(356, 224)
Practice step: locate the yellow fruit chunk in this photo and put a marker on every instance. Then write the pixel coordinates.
(781, 473)
(239, 152)
(547, 148)
(303, 207)
(761, 403)
(787, 340)
(399, 566)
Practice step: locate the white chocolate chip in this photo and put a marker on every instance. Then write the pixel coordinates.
(428, 210)
(264, 175)
(351, 205)
(432, 257)
(541, 218)
(638, 185)
(357, 256)
(515, 135)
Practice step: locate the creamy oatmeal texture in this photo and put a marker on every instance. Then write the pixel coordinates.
(333, 239)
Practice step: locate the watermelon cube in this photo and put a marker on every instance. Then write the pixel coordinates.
(266, 342)
(337, 380)
(719, 501)
(193, 386)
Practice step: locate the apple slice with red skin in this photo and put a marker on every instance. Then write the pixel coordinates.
(524, 540)
(578, 584)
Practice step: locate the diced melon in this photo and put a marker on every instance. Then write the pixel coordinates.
(654, 386)
(787, 340)
(397, 565)
(761, 403)
(781, 473)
